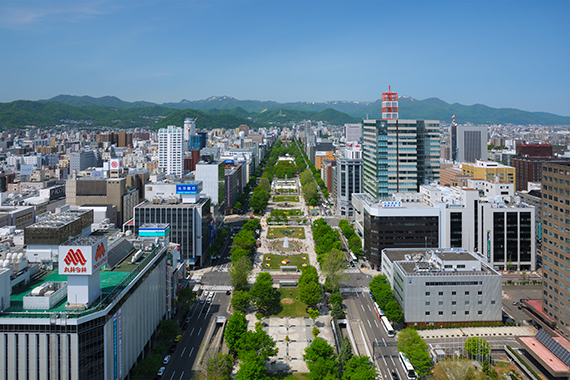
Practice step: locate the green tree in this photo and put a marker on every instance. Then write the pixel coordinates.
(240, 300)
(321, 360)
(333, 265)
(359, 368)
(262, 293)
(259, 200)
(393, 311)
(345, 352)
(167, 330)
(257, 341)
(337, 311)
(186, 299)
(309, 274)
(310, 191)
(335, 298)
(237, 253)
(456, 368)
(416, 350)
(314, 314)
(477, 348)
(239, 272)
(238, 206)
(218, 367)
(316, 331)
(252, 367)
(148, 367)
(235, 330)
(306, 177)
(310, 293)
(264, 184)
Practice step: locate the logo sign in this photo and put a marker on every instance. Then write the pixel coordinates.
(392, 204)
(191, 188)
(229, 161)
(82, 259)
(56, 192)
(116, 163)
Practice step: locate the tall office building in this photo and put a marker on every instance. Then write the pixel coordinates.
(348, 182)
(189, 131)
(399, 155)
(556, 240)
(468, 143)
(82, 160)
(171, 152)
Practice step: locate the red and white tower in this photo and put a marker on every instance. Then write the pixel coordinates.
(390, 105)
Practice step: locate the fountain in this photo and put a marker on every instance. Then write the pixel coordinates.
(286, 242)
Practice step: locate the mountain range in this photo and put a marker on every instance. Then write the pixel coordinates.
(409, 108)
(230, 112)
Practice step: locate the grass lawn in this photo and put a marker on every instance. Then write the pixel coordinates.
(279, 232)
(296, 309)
(285, 198)
(275, 261)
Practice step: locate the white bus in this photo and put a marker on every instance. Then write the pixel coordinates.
(408, 368)
(387, 326)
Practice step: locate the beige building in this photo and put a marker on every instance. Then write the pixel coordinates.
(489, 171)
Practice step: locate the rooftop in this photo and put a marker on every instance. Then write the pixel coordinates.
(83, 240)
(113, 282)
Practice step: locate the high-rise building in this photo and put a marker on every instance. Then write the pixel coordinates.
(189, 131)
(399, 155)
(348, 182)
(556, 240)
(353, 132)
(171, 152)
(468, 143)
(82, 160)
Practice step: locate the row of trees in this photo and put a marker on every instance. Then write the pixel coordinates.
(147, 368)
(354, 242)
(218, 243)
(310, 191)
(324, 364)
(411, 344)
(317, 176)
(252, 348)
(384, 297)
(325, 238)
(310, 291)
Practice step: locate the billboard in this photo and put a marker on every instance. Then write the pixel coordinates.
(392, 204)
(82, 259)
(116, 164)
(189, 188)
(56, 192)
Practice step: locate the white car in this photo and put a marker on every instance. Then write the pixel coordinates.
(206, 294)
(161, 371)
(166, 359)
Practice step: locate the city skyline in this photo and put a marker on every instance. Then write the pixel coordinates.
(499, 53)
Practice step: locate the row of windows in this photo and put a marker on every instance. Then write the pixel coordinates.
(454, 293)
(453, 303)
(453, 312)
(453, 283)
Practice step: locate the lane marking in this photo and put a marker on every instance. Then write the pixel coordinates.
(369, 309)
(199, 331)
(376, 323)
(192, 332)
(183, 352)
(192, 350)
(362, 306)
(171, 377)
(368, 320)
(182, 374)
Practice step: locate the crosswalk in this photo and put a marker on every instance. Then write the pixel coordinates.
(222, 268)
(217, 288)
(352, 270)
(354, 290)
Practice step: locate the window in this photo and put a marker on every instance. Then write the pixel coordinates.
(467, 292)
(480, 312)
(453, 312)
(440, 303)
(466, 312)
(453, 293)
(440, 312)
(427, 303)
(466, 302)
(440, 293)
(427, 293)
(479, 302)
(480, 293)
(427, 312)
(453, 302)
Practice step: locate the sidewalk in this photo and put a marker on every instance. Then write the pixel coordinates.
(478, 331)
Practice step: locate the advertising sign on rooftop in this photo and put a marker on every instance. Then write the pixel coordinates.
(82, 259)
(189, 188)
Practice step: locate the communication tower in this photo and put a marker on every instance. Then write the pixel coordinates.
(390, 105)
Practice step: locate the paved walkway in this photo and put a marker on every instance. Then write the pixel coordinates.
(478, 331)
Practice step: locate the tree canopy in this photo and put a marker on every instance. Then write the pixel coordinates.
(416, 350)
(321, 360)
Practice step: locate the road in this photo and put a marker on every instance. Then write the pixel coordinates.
(185, 357)
(363, 320)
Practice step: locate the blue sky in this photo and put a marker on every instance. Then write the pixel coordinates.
(498, 53)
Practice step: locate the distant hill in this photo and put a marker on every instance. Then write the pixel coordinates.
(410, 108)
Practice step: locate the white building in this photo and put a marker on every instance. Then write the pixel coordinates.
(443, 286)
(353, 132)
(171, 152)
(468, 143)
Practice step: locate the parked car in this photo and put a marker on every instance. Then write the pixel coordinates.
(395, 375)
(161, 371)
(166, 359)
(177, 339)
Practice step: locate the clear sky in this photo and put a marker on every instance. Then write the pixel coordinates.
(498, 53)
